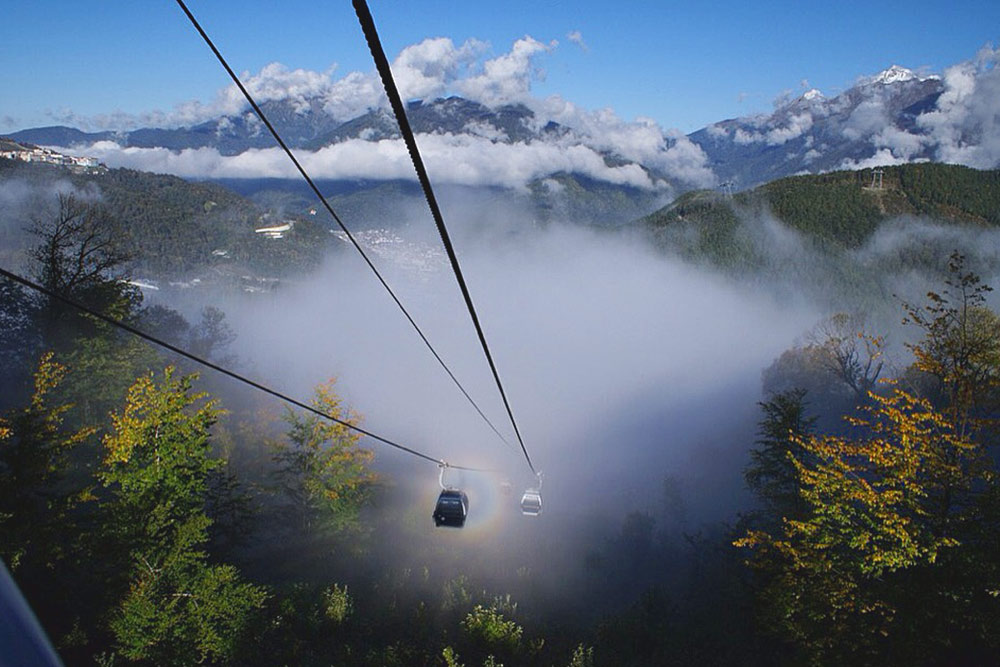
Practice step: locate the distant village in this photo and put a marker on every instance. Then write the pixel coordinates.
(48, 156)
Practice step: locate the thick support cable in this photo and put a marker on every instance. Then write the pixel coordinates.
(221, 369)
(326, 205)
(382, 64)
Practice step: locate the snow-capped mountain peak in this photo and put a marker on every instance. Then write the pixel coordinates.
(877, 121)
(898, 74)
(895, 74)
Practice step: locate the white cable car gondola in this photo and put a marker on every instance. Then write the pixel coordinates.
(531, 501)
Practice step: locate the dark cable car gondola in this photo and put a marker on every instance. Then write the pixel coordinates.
(452, 508)
(452, 505)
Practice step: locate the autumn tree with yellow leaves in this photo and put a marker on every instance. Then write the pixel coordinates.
(895, 559)
(892, 499)
(322, 473)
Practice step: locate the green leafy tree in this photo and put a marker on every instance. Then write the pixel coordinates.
(212, 335)
(36, 494)
(489, 632)
(176, 607)
(103, 368)
(583, 656)
(960, 350)
(47, 509)
(322, 472)
(450, 657)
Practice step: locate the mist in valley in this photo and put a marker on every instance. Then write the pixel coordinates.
(624, 368)
(635, 372)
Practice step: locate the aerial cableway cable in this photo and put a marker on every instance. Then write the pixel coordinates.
(326, 205)
(223, 370)
(382, 64)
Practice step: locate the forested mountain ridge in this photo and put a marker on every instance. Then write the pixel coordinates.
(832, 212)
(174, 227)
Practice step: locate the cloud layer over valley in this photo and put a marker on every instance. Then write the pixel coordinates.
(457, 159)
(597, 144)
(616, 359)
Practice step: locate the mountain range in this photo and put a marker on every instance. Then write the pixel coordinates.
(894, 117)
(311, 127)
(815, 133)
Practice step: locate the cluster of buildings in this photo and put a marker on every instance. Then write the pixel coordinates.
(48, 156)
(276, 231)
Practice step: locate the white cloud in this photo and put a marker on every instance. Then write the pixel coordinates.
(965, 126)
(641, 140)
(277, 82)
(576, 37)
(783, 99)
(882, 158)
(506, 79)
(867, 118)
(902, 144)
(795, 126)
(688, 162)
(553, 186)
(481, 128)
(716, 130)
(425, 70)
(743, 137)
(459, 159)
(353, 95)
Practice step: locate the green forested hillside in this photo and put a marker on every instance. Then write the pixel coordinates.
(834, 211)
(175, 227)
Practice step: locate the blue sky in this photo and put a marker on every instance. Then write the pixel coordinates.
(684, 65)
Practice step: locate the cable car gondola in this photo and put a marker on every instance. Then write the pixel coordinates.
(531, 503)
(452, 505)
(452, 508)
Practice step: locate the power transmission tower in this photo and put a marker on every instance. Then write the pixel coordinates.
(877, 178)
